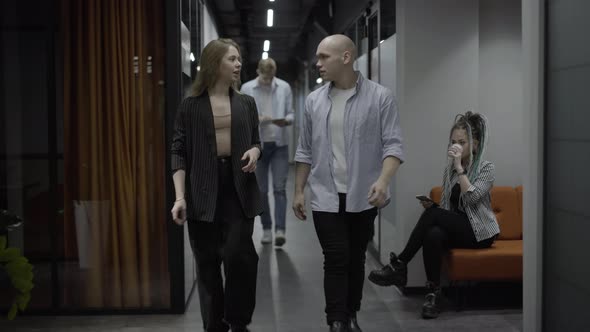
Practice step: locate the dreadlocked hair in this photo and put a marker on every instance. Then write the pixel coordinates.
(476, 127)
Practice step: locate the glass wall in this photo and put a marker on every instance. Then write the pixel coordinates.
(82, 152)
(29, 158)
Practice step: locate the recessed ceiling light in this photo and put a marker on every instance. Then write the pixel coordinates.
(269, 17)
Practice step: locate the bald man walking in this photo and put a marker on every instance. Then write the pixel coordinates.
(350, 147)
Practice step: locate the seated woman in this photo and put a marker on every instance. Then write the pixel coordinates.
(463, 220)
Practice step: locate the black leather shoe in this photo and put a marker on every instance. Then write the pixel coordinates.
(239, 329)
(393, 274)
(338, 326)
(431, 307)
(353, 325)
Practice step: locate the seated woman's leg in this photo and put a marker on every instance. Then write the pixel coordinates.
(396, 273)
(452, 231)
(435, 246)
(426, 221)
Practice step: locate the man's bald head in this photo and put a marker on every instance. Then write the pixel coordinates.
(336, 55)
(340, 44)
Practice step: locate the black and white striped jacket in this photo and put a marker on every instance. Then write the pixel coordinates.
(476, 201)
(194, 149)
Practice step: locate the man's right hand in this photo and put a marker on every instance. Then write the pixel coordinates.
(299, 206)
(179, 212)
(264, 119)
(426, 204)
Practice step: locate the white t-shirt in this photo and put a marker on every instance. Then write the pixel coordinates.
(268, 130)
(339, 98)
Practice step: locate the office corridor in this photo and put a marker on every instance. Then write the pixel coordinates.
(290, 299)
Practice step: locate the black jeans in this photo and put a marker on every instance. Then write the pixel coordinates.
(344, 237)
(229, 240)
(436, 232)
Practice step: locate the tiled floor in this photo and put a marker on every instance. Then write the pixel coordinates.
(290, 298)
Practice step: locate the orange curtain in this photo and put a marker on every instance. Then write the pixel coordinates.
(114, 195)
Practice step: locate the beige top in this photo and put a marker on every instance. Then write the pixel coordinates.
(223, 133)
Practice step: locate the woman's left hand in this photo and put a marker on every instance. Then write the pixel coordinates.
(252, 157)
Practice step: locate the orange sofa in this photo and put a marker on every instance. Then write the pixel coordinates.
(502, 261)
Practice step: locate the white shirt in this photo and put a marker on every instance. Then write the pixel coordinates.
(339, 98)
(282, 105)
(268, 132)
(372, 133)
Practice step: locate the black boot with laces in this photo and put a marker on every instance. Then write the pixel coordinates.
(431, 307)
(393, 274)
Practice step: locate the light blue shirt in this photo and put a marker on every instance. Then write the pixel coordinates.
(371, 133)
(282, 104)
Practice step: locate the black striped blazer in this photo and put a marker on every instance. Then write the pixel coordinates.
(476, 201)
(194, 149)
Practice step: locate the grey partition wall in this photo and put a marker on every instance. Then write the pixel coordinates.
(567, 144)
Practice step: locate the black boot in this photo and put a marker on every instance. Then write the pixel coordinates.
(239, 329)
(338, 326)
(431, 308)
(395, 273)
(354, 325)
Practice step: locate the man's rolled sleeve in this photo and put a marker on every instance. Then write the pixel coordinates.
(290, 114)
(304, 152)
(391, 136)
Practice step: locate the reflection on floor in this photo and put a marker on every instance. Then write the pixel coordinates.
(290, 298)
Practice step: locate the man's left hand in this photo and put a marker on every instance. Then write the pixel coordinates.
(377, 194)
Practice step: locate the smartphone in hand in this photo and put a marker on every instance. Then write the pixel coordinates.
(279, 122)
(424, 198)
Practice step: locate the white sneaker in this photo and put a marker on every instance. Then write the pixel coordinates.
(266, 236)
(280, 238)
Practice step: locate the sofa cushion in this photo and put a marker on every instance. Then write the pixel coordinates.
(505, 206)
(502, 261)
(519, 195)
(436, 194)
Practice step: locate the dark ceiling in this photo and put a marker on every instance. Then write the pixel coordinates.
(245, 22)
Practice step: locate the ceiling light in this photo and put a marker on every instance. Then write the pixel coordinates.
(266, 46)
(271, 0)
(319, 80)
(269, 17)
(192, 57)
(264, 55)
(198, 68)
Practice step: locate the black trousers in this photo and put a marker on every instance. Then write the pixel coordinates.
(436, 232)
(344, 237)
(227, 240)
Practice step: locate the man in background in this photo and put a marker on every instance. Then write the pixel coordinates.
(274, 101)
